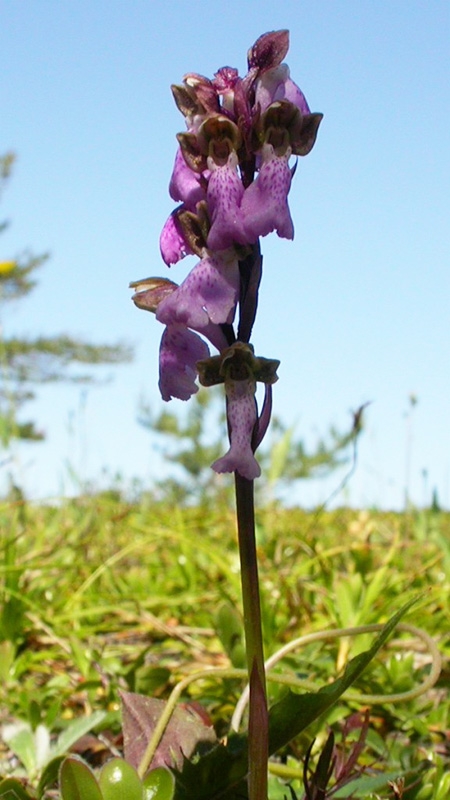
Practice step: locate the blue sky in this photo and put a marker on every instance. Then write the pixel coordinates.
(356, 308)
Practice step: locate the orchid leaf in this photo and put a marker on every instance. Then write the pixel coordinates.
(294, 712)
(220, 773)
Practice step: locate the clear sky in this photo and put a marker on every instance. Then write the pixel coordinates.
(357, 308)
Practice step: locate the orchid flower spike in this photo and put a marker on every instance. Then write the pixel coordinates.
(231, 179)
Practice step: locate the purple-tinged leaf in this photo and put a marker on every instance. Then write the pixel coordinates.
(184, 733)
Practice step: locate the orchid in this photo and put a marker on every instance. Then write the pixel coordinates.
(232, 177)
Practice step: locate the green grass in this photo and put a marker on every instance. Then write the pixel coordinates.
(98, 594)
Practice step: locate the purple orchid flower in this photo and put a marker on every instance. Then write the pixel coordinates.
(239, 370)
(242, 415)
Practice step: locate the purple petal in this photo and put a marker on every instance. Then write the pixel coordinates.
(185, 184)
(172, 244)
(264, 206)
(179, 352)
(295, 95)
(208, 294)
(275, 84)
(215, 335)
(241, 416)
(224, 195)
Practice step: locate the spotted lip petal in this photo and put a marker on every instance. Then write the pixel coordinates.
(224, 195)
(241, 416)
(264, 207)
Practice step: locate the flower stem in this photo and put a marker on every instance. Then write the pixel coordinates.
(258, 733)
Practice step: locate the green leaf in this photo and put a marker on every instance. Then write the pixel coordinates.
(12, 789)
(443, 789)
(120, 781)
(229, 627)
(365, 785)
(49, 775)
(31, 747)
(75, 730)
(159, 785)
(7, 655)
(77, 781)
(221, 773)
(149, 679)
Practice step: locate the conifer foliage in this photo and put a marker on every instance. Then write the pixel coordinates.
(26, 362)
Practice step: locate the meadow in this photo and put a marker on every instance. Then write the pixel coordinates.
(100, 595)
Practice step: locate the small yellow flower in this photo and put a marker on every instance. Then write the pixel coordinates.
(6, 267)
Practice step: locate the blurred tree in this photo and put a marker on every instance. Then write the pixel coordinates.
(25, 362)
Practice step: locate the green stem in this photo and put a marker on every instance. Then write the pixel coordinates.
(258, 734)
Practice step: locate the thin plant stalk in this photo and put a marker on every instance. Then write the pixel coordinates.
(258, 726)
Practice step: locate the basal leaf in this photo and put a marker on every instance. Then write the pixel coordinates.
(220, 773)
(49, 775)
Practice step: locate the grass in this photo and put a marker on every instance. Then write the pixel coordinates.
(98, 594)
